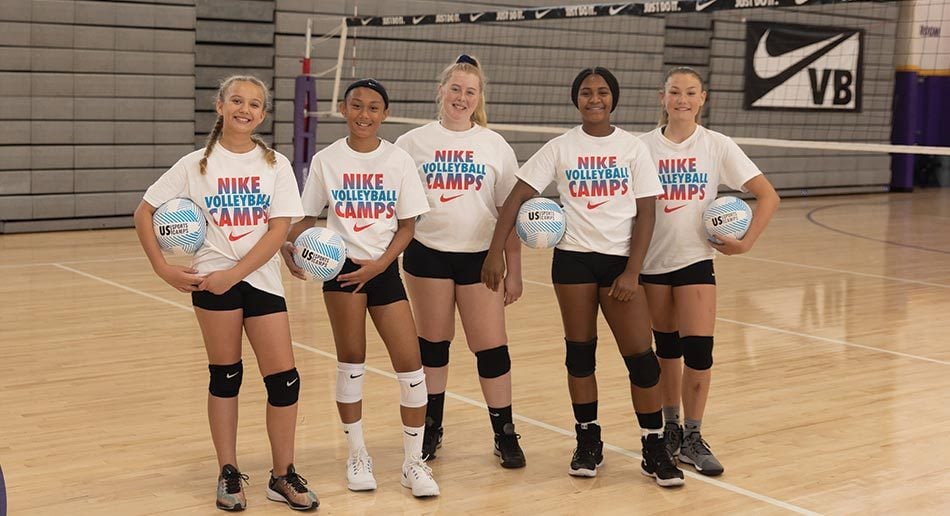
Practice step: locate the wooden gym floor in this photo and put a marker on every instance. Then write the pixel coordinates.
(830, 391)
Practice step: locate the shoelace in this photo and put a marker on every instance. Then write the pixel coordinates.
(232, 483)
(508, 440)
(417, 463)
(698, 446)
(661, 457)
(297, 482)
(362, 463)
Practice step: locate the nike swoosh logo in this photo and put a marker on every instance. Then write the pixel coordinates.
(416, 384)
(358, 228)
(667, 209)
(229, 375)
(475, 16)
(443, 198)
(292, 382)
(356, 376)
(767, 66)
(541, 14)
(801, 2)
(703, 5)
(617, 8)
(364, 21)
(410, 434)
(234, 238)
(492, 414)
(417, 19)
(591, 206)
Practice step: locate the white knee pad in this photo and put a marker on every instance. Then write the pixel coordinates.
(349, 382)
(412, 389)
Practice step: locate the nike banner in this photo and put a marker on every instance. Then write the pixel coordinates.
(803, 67)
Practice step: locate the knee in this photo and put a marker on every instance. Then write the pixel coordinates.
(644, 369)
(668, 344)
(283, 389)
(412, 388)
(225, 379)
(697, 352)
(434, 354)
(581, 358)
(494, 362)
(349, 382)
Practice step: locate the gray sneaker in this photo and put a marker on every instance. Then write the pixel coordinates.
(673, 436)
(695, 451)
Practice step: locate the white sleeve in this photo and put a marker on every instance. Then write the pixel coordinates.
(737, 168)
(314, 197)
(172, 184)
(646, 181)
(507, 175)
(411, 200)
(541, 169)
(286, 199)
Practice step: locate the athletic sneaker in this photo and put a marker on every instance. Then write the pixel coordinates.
(507, 447)
(658, 463)
(431, 440)
(416, 475)
(230, 492)
(589, 454)
(292, 489)
(696, 451)
(359, 472)
(673, 435)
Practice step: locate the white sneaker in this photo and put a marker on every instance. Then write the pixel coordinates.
(359, 472)
(416, 475)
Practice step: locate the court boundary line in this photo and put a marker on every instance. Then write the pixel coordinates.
(726, 486)
(830, 269)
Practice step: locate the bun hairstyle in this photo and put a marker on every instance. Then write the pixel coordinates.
(608, 78)
(467, 64)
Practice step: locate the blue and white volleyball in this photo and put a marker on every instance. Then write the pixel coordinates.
(320, 252)
(180, 227)
(727, 216)
(540, 223)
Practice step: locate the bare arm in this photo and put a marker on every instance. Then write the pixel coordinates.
(767, 201)
(218, 282)
(185, 279)
(369, 269)
(287, 248)
(514, 286)
(493, 270)
(625, 286)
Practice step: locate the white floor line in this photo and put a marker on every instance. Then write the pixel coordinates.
(842, 271)
(540, 424)
(807, 336)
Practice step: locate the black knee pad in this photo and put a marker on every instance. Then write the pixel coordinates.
(668, 345)
(581, 358)
(644, 369)
(225, 379)
(434, 354)
(493, 362)
(283, 389)
(697, 352)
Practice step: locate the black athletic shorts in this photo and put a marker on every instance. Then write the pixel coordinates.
(699, 273)
(382, 290)
(572, 268)
(425, 262)
(254, 301)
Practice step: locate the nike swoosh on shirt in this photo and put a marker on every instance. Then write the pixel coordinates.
(234, 238)
(667, 209)
(591, 206)
(443, 198)
(358, 228)
(767, 66)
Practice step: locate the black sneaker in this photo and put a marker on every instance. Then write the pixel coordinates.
(658, 463)
(292, 489)
(589, 454)
(431, 440)
(507, 447)
(673, 435)
(230, 491)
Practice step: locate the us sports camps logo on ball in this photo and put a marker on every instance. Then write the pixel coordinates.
(803, 67)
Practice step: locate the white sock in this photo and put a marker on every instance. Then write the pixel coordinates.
(354, 436)
(412, 441)
(655, 431)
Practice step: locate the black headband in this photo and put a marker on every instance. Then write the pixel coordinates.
(372, 84)
(467, 59)
(608, 78)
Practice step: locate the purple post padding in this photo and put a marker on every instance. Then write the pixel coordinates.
(305, 127)
(3, 495)
(936, 90)
(904, 129)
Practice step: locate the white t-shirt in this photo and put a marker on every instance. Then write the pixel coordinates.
(238, 194)
(367, 193)
(691, 173)
(599, 180)
(467, 174)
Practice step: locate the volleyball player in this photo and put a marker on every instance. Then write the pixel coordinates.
(468, 170)
(374, 195)
(607, 185)
(678, 271)
(249, 194)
